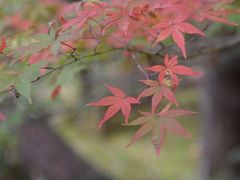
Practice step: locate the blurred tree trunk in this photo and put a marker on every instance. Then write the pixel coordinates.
(45, 156)
(221, 116)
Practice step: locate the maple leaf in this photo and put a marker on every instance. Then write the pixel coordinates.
(56, 92)
(159, 124)
(3, 45)
(139, 12)
(157, 91)
(119, 101)
(175, 28)
(61, 20)
(172, 69)
(203, 10)
(89, 10)
(128, 18)
(215, 18)
(37, 49)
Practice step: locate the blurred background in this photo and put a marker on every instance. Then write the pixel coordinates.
(58, 139)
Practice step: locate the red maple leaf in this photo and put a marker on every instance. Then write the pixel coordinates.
(205, 11)
(3, 45)
(217, 19)
(56, 92)
(159, 124)
(157, 91)
(89, 10)
(116, 103)
(172, 69)
(128, 19)
(175, 28)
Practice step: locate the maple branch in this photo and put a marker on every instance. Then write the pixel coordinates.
(94, 20)
(73, 50)
(100, 33)
(54, 69)
(202, 47)
(217, 44)
(75, 59)
(11, 89)
(68, 45)
(139, 66)
(134, 49)
(114, 20)
(47, 68)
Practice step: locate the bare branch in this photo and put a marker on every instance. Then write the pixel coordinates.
(139, 66)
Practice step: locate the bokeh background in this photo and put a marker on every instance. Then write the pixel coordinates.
(58, 139)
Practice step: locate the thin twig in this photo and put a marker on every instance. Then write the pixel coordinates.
(141, 69)
(54, 69)
(75, 59)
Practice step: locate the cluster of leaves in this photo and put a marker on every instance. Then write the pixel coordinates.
(157, 122)
(116, 24)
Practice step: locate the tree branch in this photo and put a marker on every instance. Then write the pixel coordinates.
(54, 69)
(198, 48)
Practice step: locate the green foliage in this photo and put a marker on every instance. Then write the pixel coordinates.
(67, 74)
